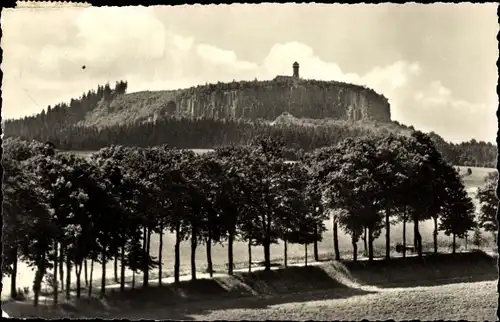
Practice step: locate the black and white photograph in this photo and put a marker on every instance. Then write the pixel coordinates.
(267, 161)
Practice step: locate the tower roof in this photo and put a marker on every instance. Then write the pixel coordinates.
(295, 64)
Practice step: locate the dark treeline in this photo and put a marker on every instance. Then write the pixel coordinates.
(61, 210)
(60, 125)
(50, 122)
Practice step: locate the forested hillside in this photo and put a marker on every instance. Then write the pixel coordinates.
(67, 127)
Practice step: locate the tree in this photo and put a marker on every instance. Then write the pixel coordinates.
(391, 171)
(179, 202)
(201, 208)
(220, 187)
(267, 172)
(457, 212)
(298, 216)
(44, 231)
(425, 179)
(17, 186)
(477, 238)
(488, 204)
(320, 164)
(237, 198)
(354, 188)
(21, 202)
(107, 208)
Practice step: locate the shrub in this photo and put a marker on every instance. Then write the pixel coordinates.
(22, 293)
(477, 238)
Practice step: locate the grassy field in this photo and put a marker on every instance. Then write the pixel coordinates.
(449, 287)
(219, 251)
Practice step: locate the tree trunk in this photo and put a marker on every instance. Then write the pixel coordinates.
(466, 236)
(435, 235)
(315, 245)
(68, 277)
(387, 235)
(194, 244)
(103, 275)
(160, 255)
(404, 236)
(61, 267)
(354, 250)
(249, 255)
(78, 268)
(116, 269)
(336, 239)
(122, 268)
(145, 258)
(417, 237)
(267, 245)
(305, 258)
(415, 242)
(38, 280)
(285, 250)
(370, 244)
(454, 243)
(86, 273)
(133, 279)
(55, 281)
(230, 254)
(365, 244)
(267, 254)
(13, 276)
(210, 267)
(177, 252)
(148, 251)
(90, 279)
(419, 242)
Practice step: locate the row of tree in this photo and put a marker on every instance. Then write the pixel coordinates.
(62, 126)
(62, 210)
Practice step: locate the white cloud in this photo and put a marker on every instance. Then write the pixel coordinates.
(184, 44)
(435, 108)
(109, 34)
(219, 56)
(384, 79)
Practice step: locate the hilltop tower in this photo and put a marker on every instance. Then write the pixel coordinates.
(296, 70)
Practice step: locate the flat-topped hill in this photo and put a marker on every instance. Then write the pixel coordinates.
(247, 100)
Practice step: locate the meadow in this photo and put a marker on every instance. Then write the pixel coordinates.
(295, 252)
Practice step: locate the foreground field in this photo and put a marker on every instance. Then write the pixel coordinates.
(464, 301)
(450, 287)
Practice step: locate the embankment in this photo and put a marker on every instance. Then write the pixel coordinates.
(331, 280)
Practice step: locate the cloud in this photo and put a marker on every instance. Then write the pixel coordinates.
(219, 56)
(435, 108)
(384, 79)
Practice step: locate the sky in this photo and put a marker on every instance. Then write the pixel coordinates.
(435, 63)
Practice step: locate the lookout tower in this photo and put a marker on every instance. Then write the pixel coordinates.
(296, 70)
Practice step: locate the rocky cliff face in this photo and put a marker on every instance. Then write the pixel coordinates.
(269, 99)
(250, 100)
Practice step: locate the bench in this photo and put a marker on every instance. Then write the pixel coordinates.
(399, 248)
